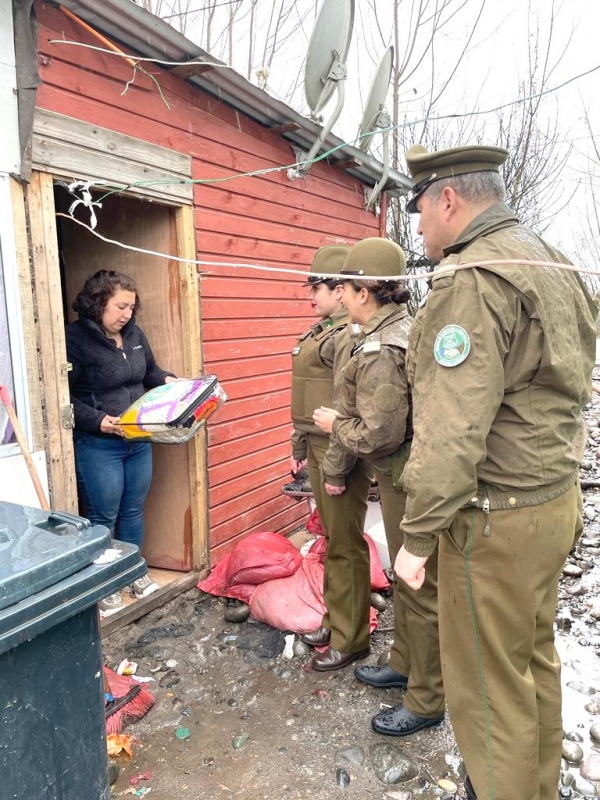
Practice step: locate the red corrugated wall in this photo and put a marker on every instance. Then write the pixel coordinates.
(250, 320)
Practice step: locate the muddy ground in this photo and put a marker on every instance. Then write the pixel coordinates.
(261, 726)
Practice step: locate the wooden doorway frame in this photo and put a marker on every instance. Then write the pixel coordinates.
(40, 207)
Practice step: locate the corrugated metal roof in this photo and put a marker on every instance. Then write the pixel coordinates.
(145, 33)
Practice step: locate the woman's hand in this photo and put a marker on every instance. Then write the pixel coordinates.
(171, 379)
(323, 418)
(111, 425)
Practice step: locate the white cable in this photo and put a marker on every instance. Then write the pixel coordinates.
(416, 276)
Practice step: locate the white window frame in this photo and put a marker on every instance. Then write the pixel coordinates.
(8, 253)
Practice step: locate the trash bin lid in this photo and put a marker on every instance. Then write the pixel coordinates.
(40, 548)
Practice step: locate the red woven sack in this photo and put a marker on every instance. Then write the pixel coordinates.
(216, 583)
(262, 557)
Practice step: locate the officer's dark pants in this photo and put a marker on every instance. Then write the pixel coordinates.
(497, 602)
(347, 580)
(415, 652)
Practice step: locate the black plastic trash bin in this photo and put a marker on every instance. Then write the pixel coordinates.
(52, 728)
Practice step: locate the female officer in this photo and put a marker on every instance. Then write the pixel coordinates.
(316, 356)
(373, 422)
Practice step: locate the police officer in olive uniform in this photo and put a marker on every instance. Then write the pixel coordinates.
(347, 586)
(500, 363)
(373, 421)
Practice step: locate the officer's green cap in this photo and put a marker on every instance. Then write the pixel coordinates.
(375, 256)
(426, 168)
(327, 259)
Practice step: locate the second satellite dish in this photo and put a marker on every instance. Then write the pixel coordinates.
(375, 118)
(325, 69)
(375, 106)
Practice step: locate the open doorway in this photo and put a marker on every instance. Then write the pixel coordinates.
(175, 513)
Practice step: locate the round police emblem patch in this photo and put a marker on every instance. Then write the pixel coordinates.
(452, 346)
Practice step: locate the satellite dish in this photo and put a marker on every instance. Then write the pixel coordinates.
(376, 101)
(329, 43)
(375, 116)
(325, 70)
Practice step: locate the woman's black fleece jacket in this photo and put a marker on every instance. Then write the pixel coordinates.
(106, 379)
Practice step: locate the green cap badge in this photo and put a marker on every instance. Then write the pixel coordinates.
(452, 346)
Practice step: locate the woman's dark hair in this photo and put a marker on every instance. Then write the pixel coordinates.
(97, 291)
(384, 292)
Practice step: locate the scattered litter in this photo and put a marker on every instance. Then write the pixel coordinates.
(173, 630)
(182, 733)
(139, 679)
(127, 667)
(171, 663)
(169, 679)
(108, 556)
(306, 546)
(239, 741)
(288, 650)
(118, 742)
(322, 694)
(143, 776)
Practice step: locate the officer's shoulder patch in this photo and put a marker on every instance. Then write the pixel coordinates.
(452, 346)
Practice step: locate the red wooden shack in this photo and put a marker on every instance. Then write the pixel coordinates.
(207, 123)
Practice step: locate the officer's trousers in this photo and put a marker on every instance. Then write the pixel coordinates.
(497, 602)
(415, 652)
(347, 579)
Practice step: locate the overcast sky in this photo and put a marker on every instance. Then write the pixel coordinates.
(496, 61)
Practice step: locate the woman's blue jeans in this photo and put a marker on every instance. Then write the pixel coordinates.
(113, 479)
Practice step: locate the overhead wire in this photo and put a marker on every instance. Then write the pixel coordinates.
(449, 269)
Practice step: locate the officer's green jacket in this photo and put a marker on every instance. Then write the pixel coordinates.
(374, 402)
(500, 362)
(313, 360)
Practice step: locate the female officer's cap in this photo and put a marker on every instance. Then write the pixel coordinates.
(327, 259)
(425, 168)
(375, 256)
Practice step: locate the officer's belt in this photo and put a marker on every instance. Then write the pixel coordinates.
(519, 498)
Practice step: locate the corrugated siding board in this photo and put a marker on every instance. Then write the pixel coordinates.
(250, 319)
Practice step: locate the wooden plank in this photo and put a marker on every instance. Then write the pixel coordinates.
(220, 433)
(254, 405)
(256, 385)
(61, 462)
(74, 161)
(232, 487)
(240, 446)
(259, 308)
(255, 501)
(249, 464)
(246, 367)
(61, 128)
(192, 358)
(233, 286)
(221, 351)
(147, 604)
(283, 522)
(34, 385)
(273, 209)
(289, 326)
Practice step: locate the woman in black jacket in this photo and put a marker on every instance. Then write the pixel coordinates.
(112, 366)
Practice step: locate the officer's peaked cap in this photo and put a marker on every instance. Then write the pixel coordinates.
(425, 168)
(327, 259)
(375, 256)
